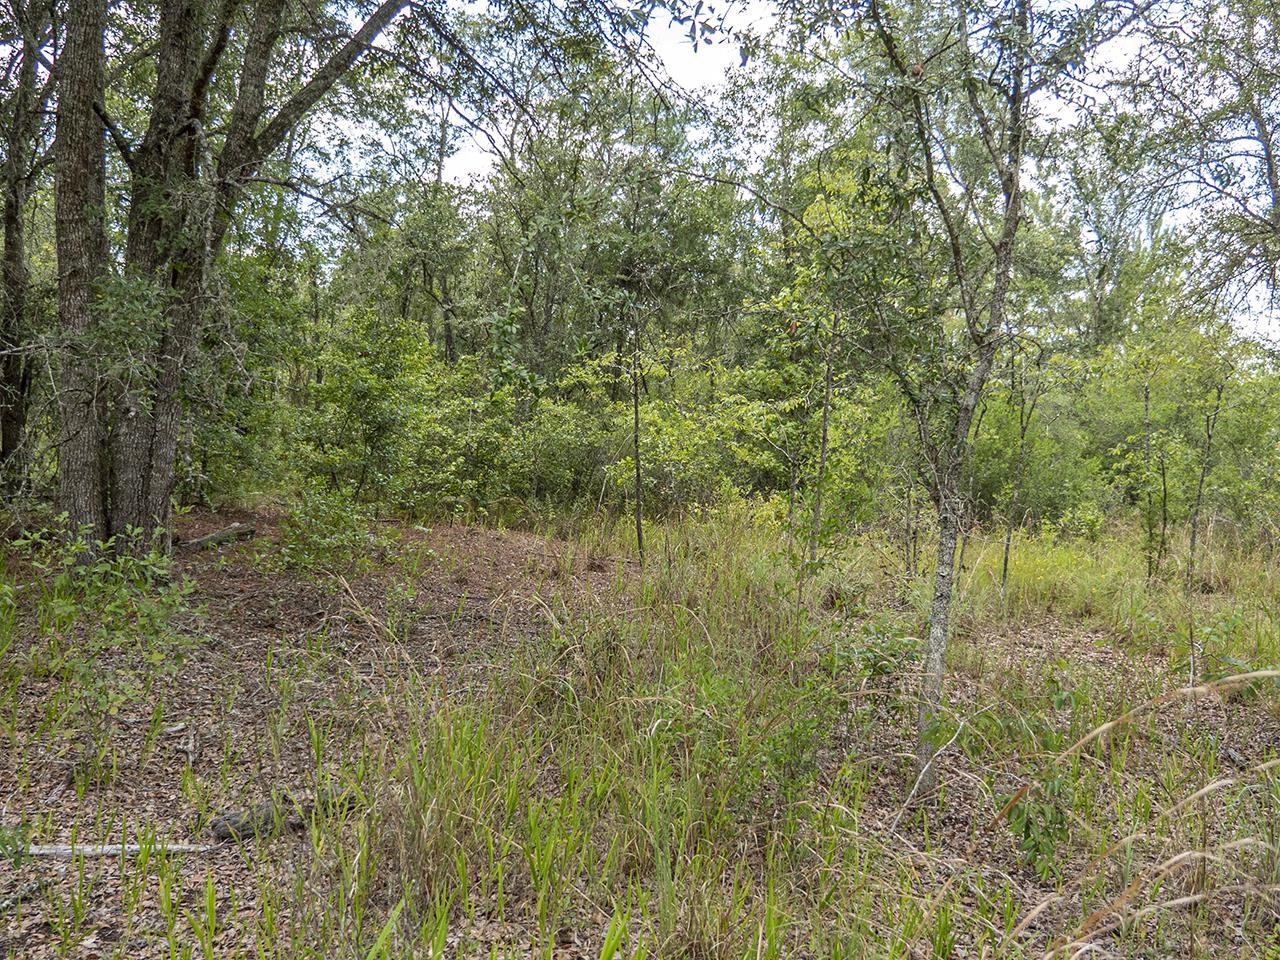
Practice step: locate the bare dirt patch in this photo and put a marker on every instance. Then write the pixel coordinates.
(224, 737)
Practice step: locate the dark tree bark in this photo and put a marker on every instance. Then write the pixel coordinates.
(181, 205)
(165, 252)
(21, 136)
(80, 172)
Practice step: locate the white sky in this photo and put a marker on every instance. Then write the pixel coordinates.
(692, 69)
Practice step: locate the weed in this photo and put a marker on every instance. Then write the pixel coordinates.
(104, 623)
(327, 532)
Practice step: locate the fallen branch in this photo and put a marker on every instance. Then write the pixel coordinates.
(237, 531)
(924, 772)
(266, 818)
(271, 817)
(67, 851)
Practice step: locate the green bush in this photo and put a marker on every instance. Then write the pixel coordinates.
(327, 532)
(103, 621)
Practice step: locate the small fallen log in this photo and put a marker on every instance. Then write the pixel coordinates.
(69, 851)
(237, 531)
(267, 818)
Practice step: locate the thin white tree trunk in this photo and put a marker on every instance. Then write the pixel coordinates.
(934, 668)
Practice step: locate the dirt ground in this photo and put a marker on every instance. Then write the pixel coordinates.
(477, 587)
(224, 730)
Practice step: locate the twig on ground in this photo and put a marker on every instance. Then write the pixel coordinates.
(924, 771)
(24, 892)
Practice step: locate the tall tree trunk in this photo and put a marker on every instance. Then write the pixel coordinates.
(20, 145)
(144, 438)
(82, 259)
(15, 365)
(165, 248)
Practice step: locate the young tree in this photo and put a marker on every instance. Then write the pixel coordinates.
(964, 70)
(954, 91)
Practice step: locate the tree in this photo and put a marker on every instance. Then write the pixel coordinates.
(82, 259)
(201, 102)
(953, 92)
(122, 410)
(1206, 86)
(22, 110)
(986, 94)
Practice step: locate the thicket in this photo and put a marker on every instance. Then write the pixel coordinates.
(1072, 439)
(752, 292)
(478, 352)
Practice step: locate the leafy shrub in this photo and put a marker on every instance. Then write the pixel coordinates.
(105, 619)
(369, 393)
(326, 532)
(884, 649)
(560, 452)
(692, 456)
(1039, 822)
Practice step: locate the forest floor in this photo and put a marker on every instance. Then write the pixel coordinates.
(484, 743)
